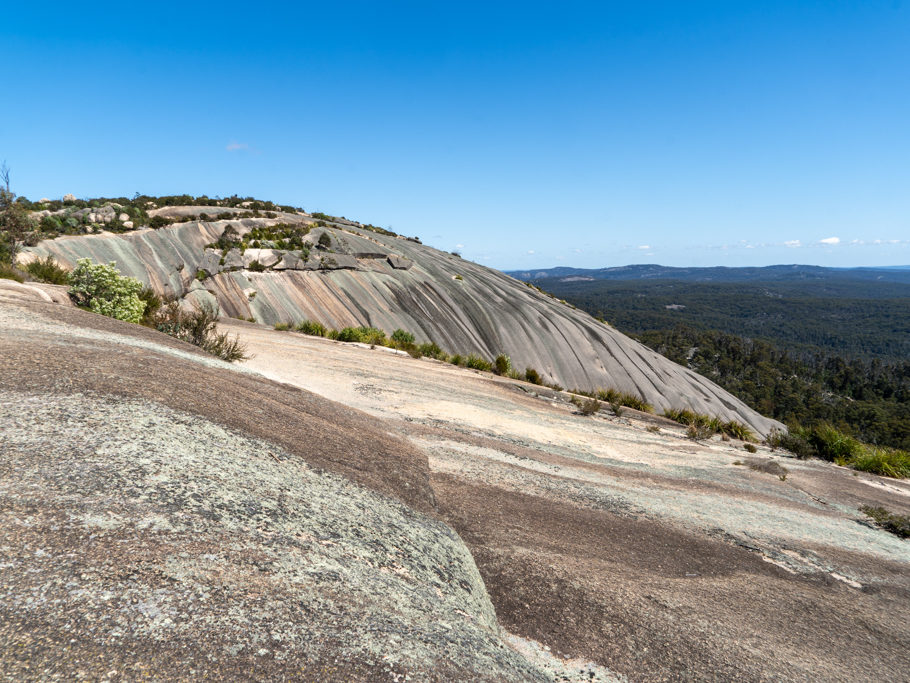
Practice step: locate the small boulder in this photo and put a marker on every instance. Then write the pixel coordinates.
(399, 262)
(266, 257)
(123, 217)
(128, 224)
(233, 259)
(69, 197)
(211, 262)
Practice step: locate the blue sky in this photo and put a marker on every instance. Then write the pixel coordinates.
(522, 134)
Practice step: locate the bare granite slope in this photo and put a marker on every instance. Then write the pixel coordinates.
(368, 278)
(166, 516)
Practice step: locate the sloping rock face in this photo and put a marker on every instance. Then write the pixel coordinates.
(462, 306)
(151, 528)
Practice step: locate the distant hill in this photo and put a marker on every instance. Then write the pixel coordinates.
(781, 273)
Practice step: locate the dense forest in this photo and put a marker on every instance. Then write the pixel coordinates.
(803, 353)
(846, 318)
(870, 399)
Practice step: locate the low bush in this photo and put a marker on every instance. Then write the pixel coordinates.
(737, 430)
(899, 525)
(750, 447)
(588, 406)
(502, 364)
(532, 376)
(456, 359)
(8, 272)
(199, 327)
(477, 363)
(432, 350)
(282, 327)
(769, 467)
(621, 398)
(887, 462)
(833, 445)
(311, 327)
(48, 270)
(103, 290)
(152, 303)
(400, 336)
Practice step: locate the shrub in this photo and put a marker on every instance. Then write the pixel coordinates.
(8, 272)
(348, 334)
(887, 462)
(199, 327)
(586, 406)
(830, 444)
(532, 376)
(432, 350)
(325, 240)
(795, 440)
(899, 525)
(502, 364)
(152, 303)
(698, 432)
(105, 291)
(737, 430)
(399, 336)
(282, 327)
(457, 359)
(157, 222)
(477, 363)
(621, 398)
(750, 447)
(256, 267)
(312, 328)
(47, 270)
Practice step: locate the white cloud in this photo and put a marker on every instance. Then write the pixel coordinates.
(234, 146)
(830, 240)
(459, 246)
(792, 243)
(644, 247)
(530, 251)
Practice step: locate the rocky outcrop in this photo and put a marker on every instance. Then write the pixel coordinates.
(462, 306)
(151, 526)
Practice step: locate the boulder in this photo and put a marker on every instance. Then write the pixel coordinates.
(211, 262)
(289, 261)
(128, 224)
(123, 217)
(69, 197)
(266, 257)
(233, 259)
(399, 262)
(337, 262)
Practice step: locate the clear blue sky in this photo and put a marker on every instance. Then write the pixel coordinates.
(522, 134)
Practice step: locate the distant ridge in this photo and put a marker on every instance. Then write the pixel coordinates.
(778, 273)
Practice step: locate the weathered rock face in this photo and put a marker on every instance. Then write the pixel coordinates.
(165, 532)
(462, 306)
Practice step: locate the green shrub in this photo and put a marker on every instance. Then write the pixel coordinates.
(502, 364)
(325, 240)
(899, 525)
(477, 363)
(621, 398)
(152, 303)
(737, 430)
(750, 447)
(887, 462)
(256, 267)
(8, 272)
(532, 376)
(457, 359)
(282, 327)
(105, 291)
(794, 440)
(831, 444)
(199, 327)
(399, 336)
(47, 270)
(157, 222)
(587, 406)
(432, 350)
(348, 334)
(312, 328)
